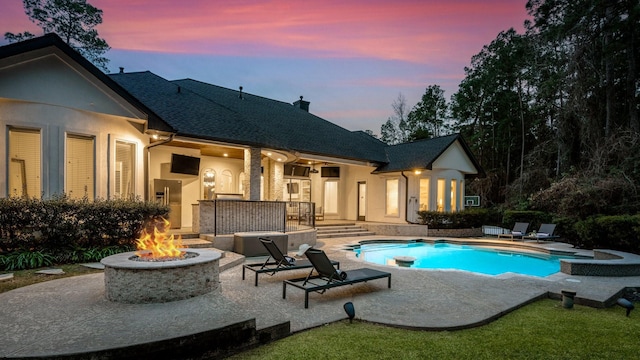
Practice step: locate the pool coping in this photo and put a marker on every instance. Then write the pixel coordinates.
(598, 262)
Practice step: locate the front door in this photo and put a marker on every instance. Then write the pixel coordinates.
(362, 200)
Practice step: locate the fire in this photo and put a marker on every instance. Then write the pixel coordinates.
(159, 244)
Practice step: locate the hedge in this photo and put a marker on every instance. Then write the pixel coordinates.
(468, 218)
(63, 228)
(616, 232)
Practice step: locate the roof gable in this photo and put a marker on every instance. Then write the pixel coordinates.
(42, 56)
(445, 152)
(455, 158)
(39, 80)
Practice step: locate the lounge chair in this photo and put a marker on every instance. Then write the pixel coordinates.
(328, 276)
(277, 261)
(544, 233)
(519, 230)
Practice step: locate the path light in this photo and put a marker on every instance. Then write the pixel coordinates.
(625, 304)
(350, 310)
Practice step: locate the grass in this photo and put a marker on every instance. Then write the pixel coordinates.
(29, 277)
(542, 330)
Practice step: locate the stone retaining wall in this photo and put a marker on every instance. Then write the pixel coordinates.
(419, 230)
(604, 263)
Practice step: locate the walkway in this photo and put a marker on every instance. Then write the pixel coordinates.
(70, 315)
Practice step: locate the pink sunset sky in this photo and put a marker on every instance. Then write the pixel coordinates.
(349, 58)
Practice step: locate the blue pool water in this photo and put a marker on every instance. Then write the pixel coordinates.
(461, 257)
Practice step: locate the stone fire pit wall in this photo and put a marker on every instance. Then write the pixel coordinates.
(138, 282)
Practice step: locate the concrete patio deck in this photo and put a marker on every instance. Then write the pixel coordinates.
(71, 315)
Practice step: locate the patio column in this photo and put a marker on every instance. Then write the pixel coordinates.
(252, 173)
(276, 180)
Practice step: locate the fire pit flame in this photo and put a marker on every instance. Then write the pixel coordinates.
(158, 244)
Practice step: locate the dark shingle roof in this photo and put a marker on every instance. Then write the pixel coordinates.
(189, 113)
(421, 154)
(289, 127)
(53, 40)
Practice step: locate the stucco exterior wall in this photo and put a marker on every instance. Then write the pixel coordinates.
(192, 188)
(49, 93)
(55, 123)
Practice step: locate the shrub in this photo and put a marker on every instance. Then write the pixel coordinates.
(468, 218)
(618, 232)
(26, 259)
(89, 230)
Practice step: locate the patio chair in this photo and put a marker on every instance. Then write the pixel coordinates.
(519, 230)
(328, 276)
(544, 233)
(277, 261)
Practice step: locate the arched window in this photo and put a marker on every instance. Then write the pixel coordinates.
(208, 183)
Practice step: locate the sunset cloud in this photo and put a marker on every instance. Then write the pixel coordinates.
(366, 51)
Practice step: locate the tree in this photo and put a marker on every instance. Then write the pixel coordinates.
(73, 21)
(394, 131)
(427, 118)
(11, 37)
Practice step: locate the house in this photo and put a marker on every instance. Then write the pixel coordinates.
(70, 128)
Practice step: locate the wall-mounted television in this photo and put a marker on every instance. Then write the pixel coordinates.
(183, 164)
(330, 171)
(296, 170)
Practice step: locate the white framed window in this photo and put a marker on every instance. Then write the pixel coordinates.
(226, 182)
(392, 198)
(25, 159)
(124, 174)
(441, 195)
(454, 194)
(208, 184)
(461, 193)
(80, 167)
(424, 194)
(330, 202)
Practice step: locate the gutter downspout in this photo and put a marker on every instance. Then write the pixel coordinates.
(147, 163)
(406, 197)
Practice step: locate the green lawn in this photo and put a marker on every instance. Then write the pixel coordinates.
(29, 277)
(542, 330)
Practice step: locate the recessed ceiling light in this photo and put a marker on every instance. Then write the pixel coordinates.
(225, 154)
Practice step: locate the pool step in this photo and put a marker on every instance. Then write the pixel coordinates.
(338, 231)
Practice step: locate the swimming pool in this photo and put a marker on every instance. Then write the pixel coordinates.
(461, 257)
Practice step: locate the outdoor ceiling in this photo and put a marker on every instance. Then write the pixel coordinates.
(211, 150)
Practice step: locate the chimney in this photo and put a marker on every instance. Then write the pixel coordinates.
(121, 70)
(304, 105)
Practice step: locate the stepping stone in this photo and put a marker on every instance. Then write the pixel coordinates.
(404, 261)
(51, 272)
(8, 276)
(95, 265)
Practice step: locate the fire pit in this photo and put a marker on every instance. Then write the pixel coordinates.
(162, 272)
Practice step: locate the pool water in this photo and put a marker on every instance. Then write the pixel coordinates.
(462, 257)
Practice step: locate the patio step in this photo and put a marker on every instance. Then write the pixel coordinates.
(228, 260)
(196, 243)
(338, 231)
(185, 235)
